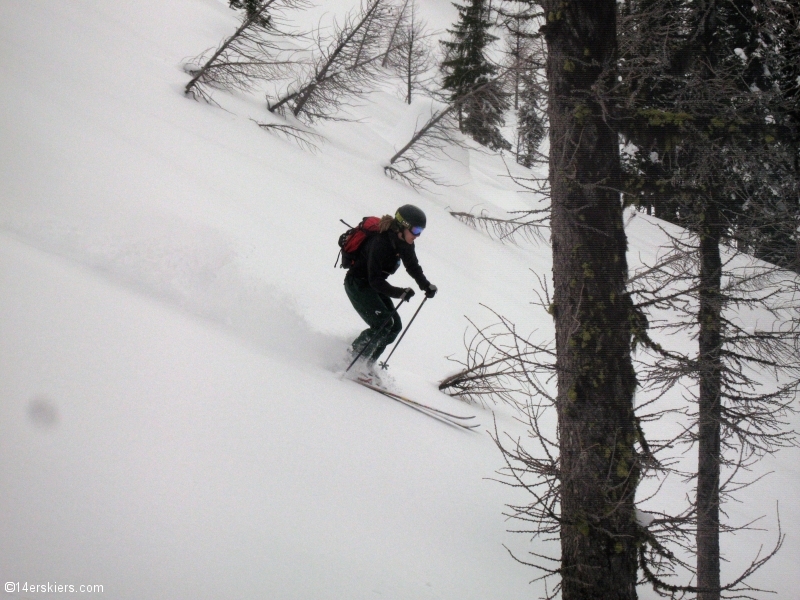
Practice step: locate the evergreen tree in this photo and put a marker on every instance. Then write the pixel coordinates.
(775, 237)
(716, 79)
(252, 8)
(700, 109)
(470, 78)
(598, 463)
(526, 58)
(530, 130)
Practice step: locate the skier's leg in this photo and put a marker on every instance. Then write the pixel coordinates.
(374, 308)
(390, 332)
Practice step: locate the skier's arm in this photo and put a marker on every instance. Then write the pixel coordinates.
(411, 263)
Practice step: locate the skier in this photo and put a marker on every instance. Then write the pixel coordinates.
(366, 286)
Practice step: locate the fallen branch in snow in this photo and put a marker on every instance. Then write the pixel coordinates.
(501, 365)
(532, 225)
(303, 137)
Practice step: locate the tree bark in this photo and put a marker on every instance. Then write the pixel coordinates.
(709, 406)
(709, 319)
(596, 380)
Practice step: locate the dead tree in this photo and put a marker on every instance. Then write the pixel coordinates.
(742, 415)
(400, 21)
(529, 225)
(759, 375)
(585, 477)
(531, 120)
(347, 65)
(430, 139)
(504, 365)
(253, 52)
(523, 50)
(251, 7)
(438, 132)
(526, 56)
(412, 58)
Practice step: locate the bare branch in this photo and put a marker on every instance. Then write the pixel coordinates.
(253, 52)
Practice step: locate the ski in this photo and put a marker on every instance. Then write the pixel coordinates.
(378, 388)
(456, 420)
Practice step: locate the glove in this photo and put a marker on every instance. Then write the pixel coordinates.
(431, 291)
(408, 293)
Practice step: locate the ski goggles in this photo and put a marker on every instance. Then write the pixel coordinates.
(416, 230)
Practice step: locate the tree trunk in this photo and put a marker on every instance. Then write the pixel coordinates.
(410, 63)
(709, 407)
(709, 362)
(517, 63)
(596, 380)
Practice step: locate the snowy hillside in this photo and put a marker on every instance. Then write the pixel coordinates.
(171, 420)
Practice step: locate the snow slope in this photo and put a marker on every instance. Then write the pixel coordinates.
(171, 424)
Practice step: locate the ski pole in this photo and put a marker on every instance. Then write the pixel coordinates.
(385, 364)
(377, 333)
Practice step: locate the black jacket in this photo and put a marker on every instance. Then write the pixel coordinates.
(381, 256)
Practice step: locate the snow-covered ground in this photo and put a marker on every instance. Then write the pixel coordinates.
(171, 421)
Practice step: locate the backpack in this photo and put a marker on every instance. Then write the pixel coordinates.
(352, 239)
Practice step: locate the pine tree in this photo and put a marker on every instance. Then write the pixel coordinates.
(775, 237)
(700, 111)
(253, 9)
(466, 68)
(598, 463)
(530, 131)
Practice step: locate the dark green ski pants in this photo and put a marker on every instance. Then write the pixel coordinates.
(375, 309)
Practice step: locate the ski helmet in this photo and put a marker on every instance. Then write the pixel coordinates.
(410, 217)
